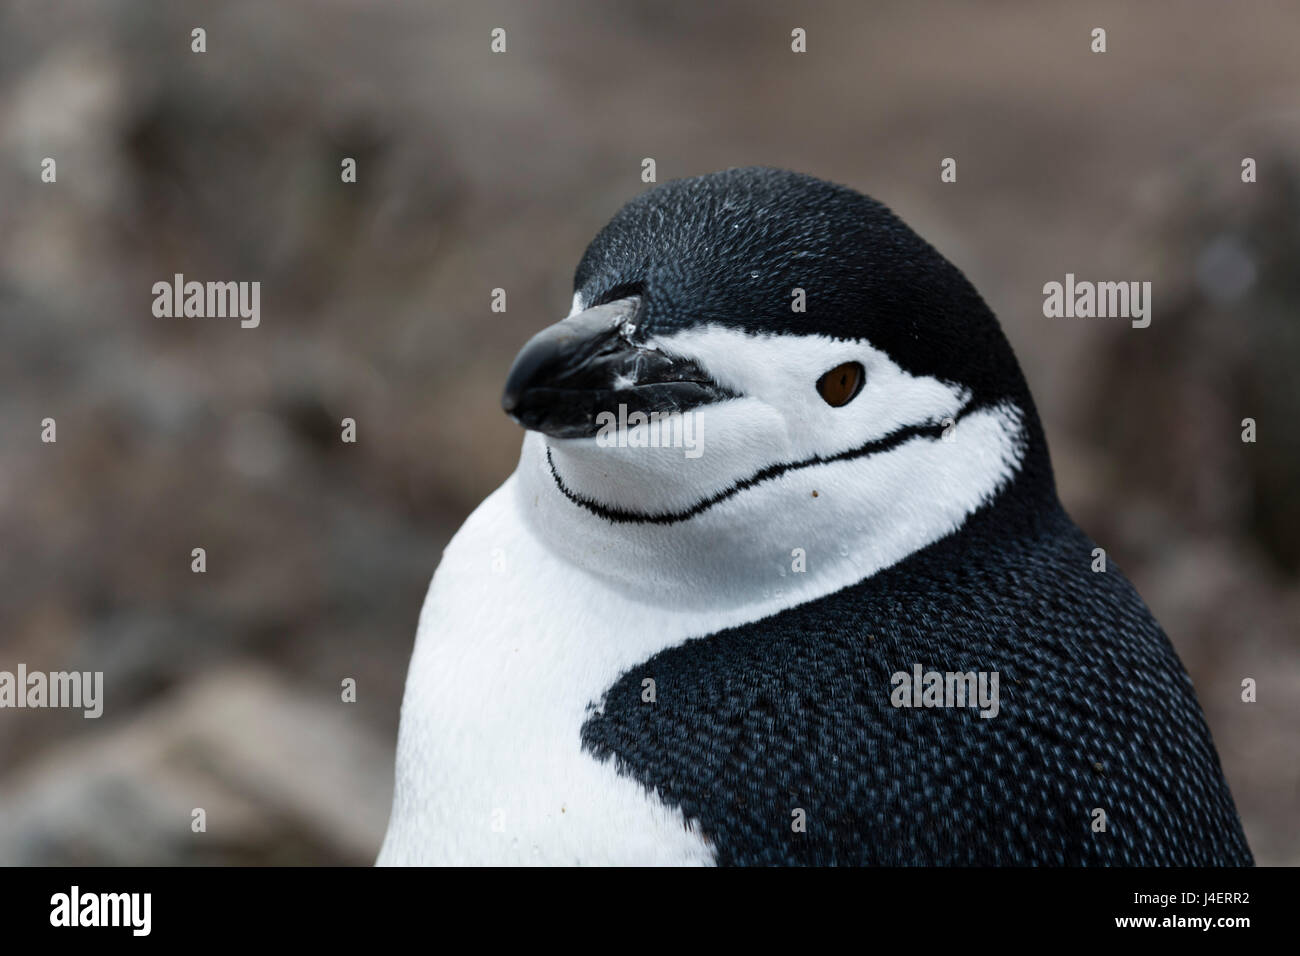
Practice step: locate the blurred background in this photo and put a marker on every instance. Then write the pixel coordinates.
(479, 170)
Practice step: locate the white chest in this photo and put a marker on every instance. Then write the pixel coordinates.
(490, 768)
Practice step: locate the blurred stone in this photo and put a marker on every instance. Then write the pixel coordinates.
(285, 777)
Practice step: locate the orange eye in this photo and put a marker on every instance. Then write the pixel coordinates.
(841, 384)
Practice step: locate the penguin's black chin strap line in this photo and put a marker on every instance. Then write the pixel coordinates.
(931, 430)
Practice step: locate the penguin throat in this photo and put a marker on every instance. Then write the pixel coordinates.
(776, 538)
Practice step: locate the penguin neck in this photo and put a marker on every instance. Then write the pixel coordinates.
(778, 543)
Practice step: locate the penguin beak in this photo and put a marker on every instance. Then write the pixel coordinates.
(569, 373)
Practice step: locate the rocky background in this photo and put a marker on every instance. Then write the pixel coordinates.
(479, 171)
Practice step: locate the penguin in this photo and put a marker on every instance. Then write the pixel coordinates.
(780, 461)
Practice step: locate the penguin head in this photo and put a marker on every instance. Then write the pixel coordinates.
(799, 333)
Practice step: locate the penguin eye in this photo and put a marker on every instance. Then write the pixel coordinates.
(841, 384)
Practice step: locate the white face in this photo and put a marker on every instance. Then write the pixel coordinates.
(780, 420)
(856, 487)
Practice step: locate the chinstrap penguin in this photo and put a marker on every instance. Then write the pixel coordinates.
(631, 656)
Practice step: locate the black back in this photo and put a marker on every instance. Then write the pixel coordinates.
(794, 712)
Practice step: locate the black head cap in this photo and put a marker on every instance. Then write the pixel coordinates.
(730, 248)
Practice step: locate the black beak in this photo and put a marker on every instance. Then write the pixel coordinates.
(569, 373)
